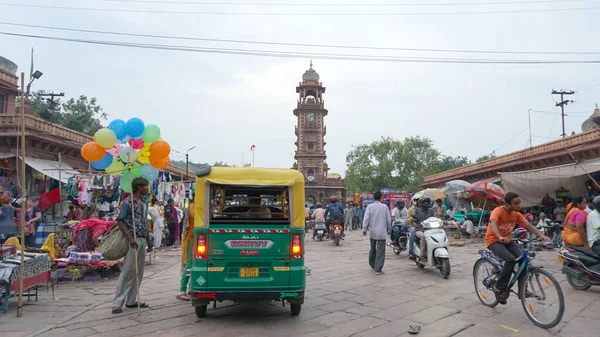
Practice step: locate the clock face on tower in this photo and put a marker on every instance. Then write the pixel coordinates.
(310, 116)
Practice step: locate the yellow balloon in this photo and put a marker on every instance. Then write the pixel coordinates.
(144, 160)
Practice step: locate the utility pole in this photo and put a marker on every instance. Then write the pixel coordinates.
(562, 104)
(23, 203)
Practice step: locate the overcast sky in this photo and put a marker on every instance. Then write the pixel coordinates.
(222, 104)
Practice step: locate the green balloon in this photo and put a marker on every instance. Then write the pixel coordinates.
(151, 133)
(125, 182)
(115, 168)
(134, 169)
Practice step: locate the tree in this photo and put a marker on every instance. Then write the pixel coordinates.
(486, 157)
(447, 163)
(82, 114)
(390, 163)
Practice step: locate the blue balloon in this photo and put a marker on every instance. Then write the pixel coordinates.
(103, 163)
(135, 128)
(149, 172)
(119, 127)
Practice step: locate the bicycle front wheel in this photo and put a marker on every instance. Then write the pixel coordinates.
(542, 298)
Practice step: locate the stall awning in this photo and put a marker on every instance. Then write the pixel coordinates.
(4, 155)
(50, 168)
(533, 185)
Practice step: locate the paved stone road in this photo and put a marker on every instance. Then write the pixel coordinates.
(344, 298)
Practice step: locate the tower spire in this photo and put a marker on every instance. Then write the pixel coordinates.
(311, 66)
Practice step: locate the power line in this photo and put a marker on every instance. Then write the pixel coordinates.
(148, 11)
(304, 55)
(296, 4)
(170, 37)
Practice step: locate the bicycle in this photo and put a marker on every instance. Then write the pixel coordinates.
(528, 276)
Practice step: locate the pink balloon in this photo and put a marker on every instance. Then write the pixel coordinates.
(137, 143)
(115, 151)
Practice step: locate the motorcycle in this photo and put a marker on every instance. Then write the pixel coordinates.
(337, 232)
(310, 224)
(320, 229)
(582, 269)
(402, 232)
(437, 247)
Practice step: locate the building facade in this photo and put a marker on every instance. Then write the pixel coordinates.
(310, 143)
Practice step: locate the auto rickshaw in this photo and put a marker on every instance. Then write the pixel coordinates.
(249, 232)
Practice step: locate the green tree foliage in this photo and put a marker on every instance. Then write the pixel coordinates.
(82, 114)
(486, 157)
(391, 163)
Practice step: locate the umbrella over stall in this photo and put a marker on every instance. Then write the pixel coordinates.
(490, 193)
(432, 193)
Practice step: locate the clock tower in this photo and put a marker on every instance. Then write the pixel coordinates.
(310, 142)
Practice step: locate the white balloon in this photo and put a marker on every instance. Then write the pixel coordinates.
(128, 155)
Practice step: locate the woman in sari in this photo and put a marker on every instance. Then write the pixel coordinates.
(574, 232)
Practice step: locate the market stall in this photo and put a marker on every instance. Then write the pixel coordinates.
(36, 272)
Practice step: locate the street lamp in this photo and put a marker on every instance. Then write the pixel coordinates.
(187, 157)
(35, 76)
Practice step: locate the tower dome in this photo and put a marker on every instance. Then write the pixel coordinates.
(310, 74)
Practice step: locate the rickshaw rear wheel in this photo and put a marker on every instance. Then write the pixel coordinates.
(201, 310)
(296, 308)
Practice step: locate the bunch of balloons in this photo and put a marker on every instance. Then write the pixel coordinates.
(130, 148)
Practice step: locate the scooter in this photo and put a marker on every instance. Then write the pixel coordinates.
(402, 232)
(320, 229)
(437, 247)
(337, 232)
(310, 224)
(582, 269)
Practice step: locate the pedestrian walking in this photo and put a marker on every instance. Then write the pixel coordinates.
(378, 222)
(127, 289)
(187, 252)
(348, 217)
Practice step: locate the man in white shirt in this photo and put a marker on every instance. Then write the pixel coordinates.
(399, 214)
(592, 225)
(378, 222)
(560, 212)
(467, 228)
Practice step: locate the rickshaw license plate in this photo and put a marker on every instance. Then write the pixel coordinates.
(561, 259)
(248, 272)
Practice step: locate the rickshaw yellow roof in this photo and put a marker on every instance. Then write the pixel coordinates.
(248, 176)
(254, 176)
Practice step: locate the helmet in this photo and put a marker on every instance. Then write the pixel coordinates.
(416, 197)
(596, 203)
(425, 202)
(333, 198)
(400, 201)
(318, 204)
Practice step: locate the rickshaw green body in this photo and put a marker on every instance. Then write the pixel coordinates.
(245, 260)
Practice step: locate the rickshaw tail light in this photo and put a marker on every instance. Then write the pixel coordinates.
(296, 244)
(201, 244)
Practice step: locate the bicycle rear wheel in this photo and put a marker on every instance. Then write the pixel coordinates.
(484, 270)
(542, 298)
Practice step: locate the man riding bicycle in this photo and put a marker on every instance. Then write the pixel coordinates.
(498, 239)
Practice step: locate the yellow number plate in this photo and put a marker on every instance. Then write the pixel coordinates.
(561, 259)
(248, 272)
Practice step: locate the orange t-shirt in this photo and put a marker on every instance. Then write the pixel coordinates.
(506, 222)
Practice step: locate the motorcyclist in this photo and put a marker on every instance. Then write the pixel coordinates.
(334, 212)
(409, 222)
(319, 215)
(398, 219)
(422, 213)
